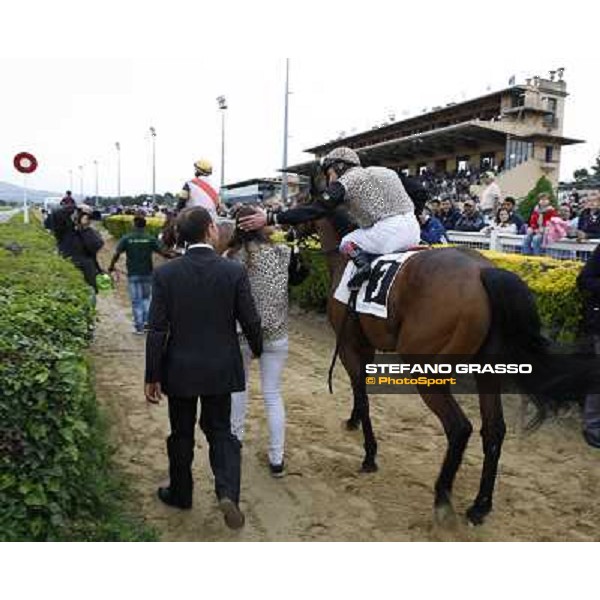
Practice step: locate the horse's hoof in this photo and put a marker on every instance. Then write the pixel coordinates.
(476, 514)
(444, 514)
(352, 425)
(369, 467)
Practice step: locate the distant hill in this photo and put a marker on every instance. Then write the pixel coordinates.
(14, 193)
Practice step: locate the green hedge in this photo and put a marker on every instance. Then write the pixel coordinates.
(56, 480)
(119, 225)
(552, 281)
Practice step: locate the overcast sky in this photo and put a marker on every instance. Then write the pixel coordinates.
(70, 112)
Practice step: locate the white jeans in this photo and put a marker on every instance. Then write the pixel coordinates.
(389, 235)
(272, 362)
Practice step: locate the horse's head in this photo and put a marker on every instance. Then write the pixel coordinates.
(331, 229)
(318, 181)
(304, 230)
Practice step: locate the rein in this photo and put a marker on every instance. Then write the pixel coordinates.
(350, 309)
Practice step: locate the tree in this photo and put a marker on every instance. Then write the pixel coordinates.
(542, 186)
(580, 175)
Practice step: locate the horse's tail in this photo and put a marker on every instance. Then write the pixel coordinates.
(516, 329)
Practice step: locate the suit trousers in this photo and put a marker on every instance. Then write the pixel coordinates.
(224, 449)
(591, 408)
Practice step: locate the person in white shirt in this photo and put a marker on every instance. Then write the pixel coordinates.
(490, 196)
(502, 223)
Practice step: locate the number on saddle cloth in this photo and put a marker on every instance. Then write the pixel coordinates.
(381, 277)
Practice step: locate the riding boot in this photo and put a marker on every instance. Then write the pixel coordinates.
(362, 261)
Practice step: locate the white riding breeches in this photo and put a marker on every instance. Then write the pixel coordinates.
(393, 234)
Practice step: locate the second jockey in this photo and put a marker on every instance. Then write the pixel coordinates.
(199, 191)
(375, 199)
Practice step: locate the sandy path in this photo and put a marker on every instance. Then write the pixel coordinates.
(548, 487)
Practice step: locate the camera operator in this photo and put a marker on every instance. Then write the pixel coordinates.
(76, 240)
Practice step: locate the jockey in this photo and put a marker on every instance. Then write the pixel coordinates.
(374, 198)
(199, 191)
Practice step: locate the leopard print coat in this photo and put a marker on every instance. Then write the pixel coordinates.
(267, 266)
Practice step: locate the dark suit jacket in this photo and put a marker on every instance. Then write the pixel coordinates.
(192, 346)
(588, 282)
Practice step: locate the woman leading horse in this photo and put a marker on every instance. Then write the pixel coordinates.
(443, 302)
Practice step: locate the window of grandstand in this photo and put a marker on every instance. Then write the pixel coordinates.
(517, 152)
(551, 105)
(488, 161)
(518, 99)
(462, 163)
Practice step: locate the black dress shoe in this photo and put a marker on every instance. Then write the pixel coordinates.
(233, 516)
(170, 499)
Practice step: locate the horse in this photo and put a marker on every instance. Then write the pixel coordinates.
(445, 302)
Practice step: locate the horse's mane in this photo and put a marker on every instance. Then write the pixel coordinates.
(418, 194)
(339, 218)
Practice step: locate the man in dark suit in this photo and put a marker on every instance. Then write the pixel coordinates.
(192, 351)
(588, 282)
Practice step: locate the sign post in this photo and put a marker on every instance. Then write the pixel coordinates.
(25, 207)
(25, 163)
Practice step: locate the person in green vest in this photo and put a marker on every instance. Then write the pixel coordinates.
(138, 246)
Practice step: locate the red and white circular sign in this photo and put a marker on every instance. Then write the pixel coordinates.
(25, 162)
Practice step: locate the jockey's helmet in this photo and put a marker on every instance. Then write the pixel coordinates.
(345, 156)
(203, 167)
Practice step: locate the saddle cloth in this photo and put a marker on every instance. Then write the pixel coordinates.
(373, 294)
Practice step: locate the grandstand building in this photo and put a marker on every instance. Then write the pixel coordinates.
(257, 190)
(516, 132)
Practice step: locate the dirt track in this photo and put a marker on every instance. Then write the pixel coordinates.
(549, 482)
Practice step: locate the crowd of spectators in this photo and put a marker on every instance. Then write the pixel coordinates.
(455, 186)
(576, 217)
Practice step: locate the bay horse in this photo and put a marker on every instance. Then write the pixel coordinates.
(449, 301)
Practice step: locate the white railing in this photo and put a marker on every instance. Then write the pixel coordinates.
(512, 243)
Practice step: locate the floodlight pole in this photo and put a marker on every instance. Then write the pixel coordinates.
(153, 134)
(118, 147)
(284, 177)
(25, 206)
(222, 103)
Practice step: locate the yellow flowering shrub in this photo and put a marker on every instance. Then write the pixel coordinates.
(119, 225)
